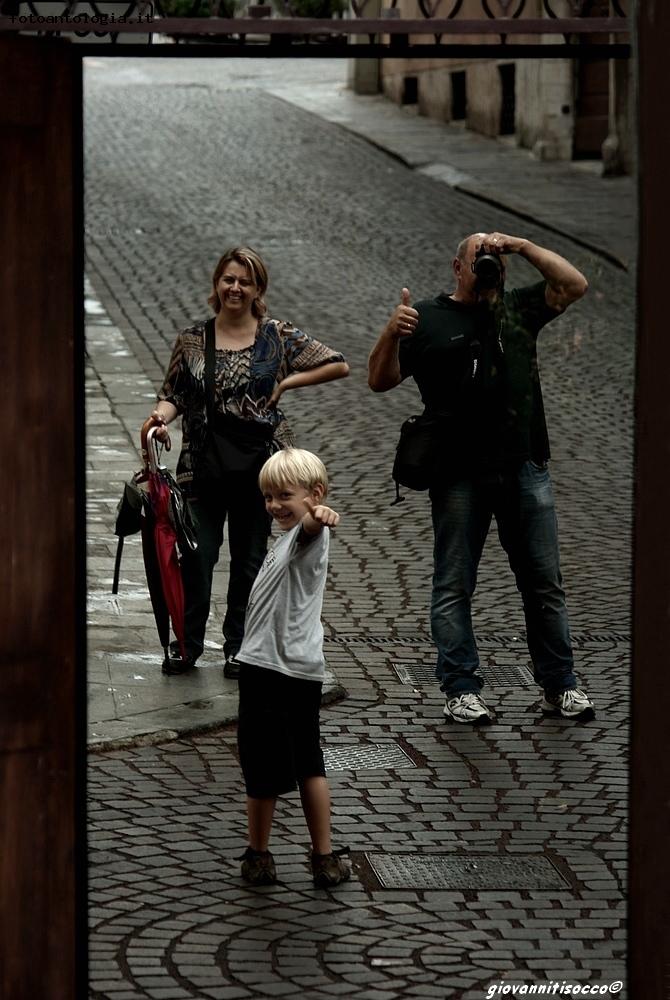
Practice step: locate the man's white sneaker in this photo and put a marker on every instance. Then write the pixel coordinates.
(571, 704)
(467, 707)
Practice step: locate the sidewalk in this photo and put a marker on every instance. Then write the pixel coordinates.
(130, 701)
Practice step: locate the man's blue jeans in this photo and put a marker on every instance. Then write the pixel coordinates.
(523, 504)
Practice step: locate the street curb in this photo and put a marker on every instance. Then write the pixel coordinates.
(333, 693)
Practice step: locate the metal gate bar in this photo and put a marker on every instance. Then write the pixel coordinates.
(307, 50)
(318, 26)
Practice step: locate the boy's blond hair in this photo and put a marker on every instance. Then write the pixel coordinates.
(293, 467)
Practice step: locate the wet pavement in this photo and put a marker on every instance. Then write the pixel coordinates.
(480, 857)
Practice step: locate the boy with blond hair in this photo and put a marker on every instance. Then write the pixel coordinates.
(282, 668)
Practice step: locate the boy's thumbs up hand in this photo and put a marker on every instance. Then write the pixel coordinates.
(318, 516)
(404, 320)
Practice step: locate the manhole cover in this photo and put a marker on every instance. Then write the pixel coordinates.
(407, 871)
(355, 758)
(423, 675)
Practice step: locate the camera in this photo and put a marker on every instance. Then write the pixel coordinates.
(488, 268)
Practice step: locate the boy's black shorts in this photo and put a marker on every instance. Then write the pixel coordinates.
(278, 731)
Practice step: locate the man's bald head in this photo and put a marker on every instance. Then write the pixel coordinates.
(464, 245)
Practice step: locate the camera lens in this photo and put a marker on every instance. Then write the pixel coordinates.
(488, 269)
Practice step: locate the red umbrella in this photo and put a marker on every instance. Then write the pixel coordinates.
(165, 527)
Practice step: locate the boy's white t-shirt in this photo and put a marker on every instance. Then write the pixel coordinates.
(282, 629)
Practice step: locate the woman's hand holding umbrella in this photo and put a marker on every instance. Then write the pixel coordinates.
(159, 418)
(162, 433)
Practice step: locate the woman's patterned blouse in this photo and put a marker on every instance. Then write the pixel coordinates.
(242, 388)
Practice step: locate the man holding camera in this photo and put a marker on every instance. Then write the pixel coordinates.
(473, 356)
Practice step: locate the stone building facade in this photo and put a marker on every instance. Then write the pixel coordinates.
(558, 108)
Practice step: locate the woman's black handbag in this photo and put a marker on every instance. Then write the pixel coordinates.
(419, 452)
(234, 445)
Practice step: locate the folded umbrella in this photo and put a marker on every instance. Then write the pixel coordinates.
(153, 504)
(166, 511)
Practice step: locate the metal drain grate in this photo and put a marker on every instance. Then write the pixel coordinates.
(495, 639)
(407, 871)
(422, 675)
(354, 758)
(385, 639)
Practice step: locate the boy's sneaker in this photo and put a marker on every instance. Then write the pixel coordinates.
(258, 867)
(330, 869)
(571, 704)
(467, 707)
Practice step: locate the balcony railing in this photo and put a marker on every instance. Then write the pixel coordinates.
(501, 30)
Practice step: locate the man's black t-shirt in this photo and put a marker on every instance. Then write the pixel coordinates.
(478, 366)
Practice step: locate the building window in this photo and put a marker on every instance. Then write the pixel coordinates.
(410, 90)
(508, 101)
(458, 96)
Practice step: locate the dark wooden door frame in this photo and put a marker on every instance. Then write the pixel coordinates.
(649, 874)
(42, 526)
(42, 670)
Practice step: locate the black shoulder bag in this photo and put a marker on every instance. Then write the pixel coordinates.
(233, 446)
(418, 452)
(426, 441)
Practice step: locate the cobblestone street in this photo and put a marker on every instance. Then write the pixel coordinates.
(480, 857)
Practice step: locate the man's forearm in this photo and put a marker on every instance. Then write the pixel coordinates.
(384, 364)
(567, 283)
